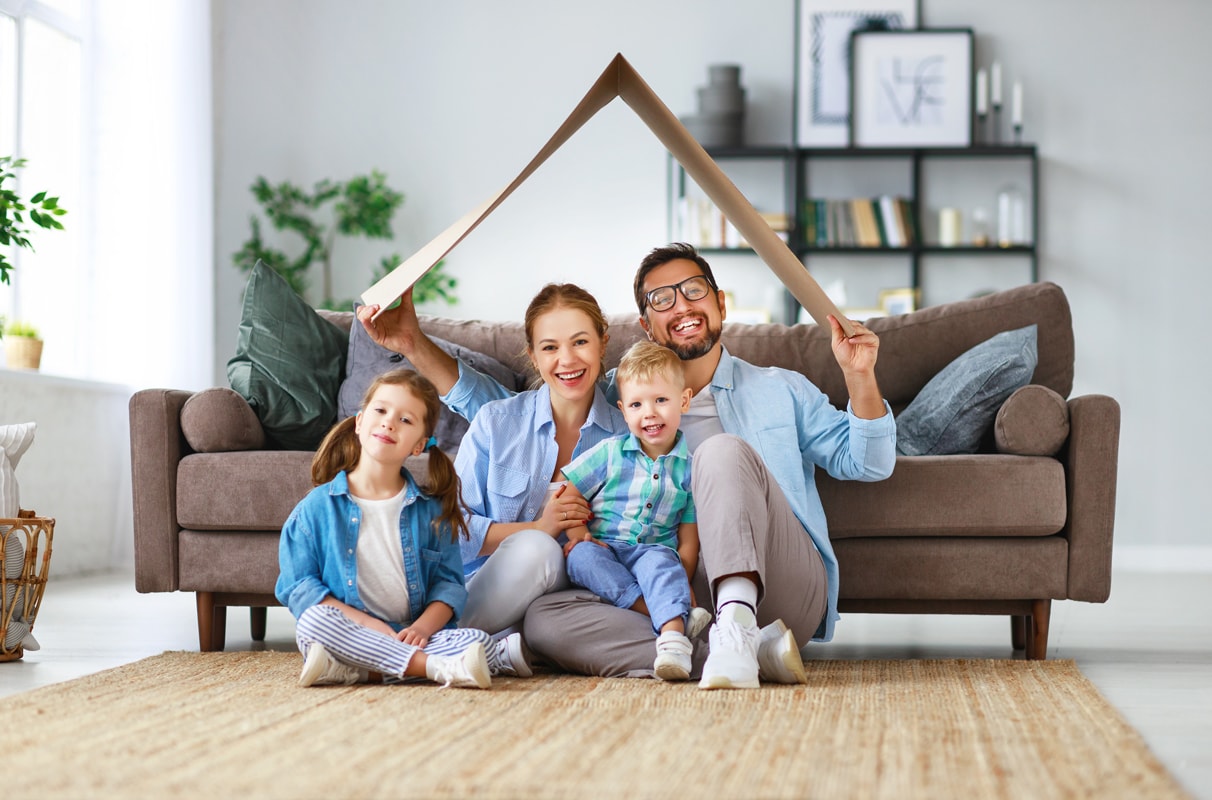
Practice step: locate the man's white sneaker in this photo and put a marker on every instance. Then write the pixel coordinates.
(732, 662)
(673, 656)
(321, 669)
(778, 655)
(696, 620)
(512, 657)
(468, 670)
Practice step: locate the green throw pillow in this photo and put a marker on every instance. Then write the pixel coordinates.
(289, 362)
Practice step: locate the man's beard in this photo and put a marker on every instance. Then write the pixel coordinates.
(689, 351)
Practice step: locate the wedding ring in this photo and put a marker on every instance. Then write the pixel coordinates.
(565, 516)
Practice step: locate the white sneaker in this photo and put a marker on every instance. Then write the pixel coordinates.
(512, 656)
(698, 619)
(778, 655)
(321, 669)
(732, 662)
(673, 656)
(468, 670)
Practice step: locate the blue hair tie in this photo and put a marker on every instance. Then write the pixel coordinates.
(431, 443)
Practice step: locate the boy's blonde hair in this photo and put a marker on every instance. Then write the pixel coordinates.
(644, 360)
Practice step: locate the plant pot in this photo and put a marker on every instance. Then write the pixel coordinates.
(22, 352)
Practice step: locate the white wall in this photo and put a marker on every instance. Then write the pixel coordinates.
(452, 99)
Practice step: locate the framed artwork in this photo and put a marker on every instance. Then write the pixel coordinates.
(822, 56)
(911, 88)
(898, 301)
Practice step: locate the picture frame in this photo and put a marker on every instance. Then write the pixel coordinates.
(911, 88)
(898, 301)
(821, 99)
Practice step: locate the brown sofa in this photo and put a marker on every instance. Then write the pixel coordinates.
(994, 532)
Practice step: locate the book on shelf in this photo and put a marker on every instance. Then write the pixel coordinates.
(883, 221)
(702, 224)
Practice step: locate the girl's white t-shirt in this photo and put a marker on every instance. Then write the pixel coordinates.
(381, 581)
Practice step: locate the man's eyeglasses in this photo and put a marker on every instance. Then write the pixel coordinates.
(662, 298)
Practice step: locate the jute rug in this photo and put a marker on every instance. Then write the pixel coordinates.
(220, 725)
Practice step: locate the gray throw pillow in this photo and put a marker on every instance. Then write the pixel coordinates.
(289, 362)
(367, 360)
(956, 408)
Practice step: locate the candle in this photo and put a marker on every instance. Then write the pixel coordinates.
(949, 227)
(982, 92)
(996, 87)
(1016, 105)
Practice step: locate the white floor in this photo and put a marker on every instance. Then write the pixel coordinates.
(1149, 649)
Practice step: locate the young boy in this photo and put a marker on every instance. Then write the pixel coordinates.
(641, 546)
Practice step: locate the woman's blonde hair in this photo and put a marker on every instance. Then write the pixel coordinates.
(341, 450)
(565, 295)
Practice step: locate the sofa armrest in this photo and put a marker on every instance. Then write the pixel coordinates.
(1091, 468)
(156, 448)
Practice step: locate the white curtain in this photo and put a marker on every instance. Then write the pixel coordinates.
(148, 315)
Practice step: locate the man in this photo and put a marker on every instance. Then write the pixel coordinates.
(757, 434)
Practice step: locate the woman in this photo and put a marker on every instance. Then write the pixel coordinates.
(517, 445)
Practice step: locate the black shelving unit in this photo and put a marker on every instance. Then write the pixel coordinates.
(797, 166)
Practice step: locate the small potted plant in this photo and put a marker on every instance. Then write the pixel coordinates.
(22, 345)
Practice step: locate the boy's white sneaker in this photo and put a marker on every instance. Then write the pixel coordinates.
(468, 670)
(673, 656)
(321, 669)
(512, 656)
(779, 659)
(696, 621)
(733, 660)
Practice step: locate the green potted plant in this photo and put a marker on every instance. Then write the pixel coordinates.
(22, 345)
(361, 206)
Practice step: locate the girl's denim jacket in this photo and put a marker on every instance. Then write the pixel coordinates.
(317, 553)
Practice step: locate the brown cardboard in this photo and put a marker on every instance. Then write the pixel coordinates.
(621, 80)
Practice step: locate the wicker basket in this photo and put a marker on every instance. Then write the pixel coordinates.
(34, 534)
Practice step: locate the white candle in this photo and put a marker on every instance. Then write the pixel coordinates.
(982, 92)
(996, 87)
(1016, 104)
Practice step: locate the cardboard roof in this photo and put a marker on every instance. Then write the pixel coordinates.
(621, 80)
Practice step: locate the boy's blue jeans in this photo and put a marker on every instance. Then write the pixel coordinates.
(621, 573)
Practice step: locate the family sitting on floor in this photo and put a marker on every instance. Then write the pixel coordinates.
(547, 539)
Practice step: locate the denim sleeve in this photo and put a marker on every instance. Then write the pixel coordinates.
(471, 391)
(300, 585)
(846, 447)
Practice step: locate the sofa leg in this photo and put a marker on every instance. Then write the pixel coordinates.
(212, 623)
(1037, 630)
(1018, 632)
(257, 617)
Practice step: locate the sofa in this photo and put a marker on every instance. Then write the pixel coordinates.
(1020, 517)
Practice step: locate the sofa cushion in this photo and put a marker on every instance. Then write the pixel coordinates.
(974, 495)
(289, 362)
(218, 419)
(1034, 421)
(957, 406)
(366, 360)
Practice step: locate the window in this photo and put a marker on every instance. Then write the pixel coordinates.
(42, 105)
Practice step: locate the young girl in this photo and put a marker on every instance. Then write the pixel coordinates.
(370, 563)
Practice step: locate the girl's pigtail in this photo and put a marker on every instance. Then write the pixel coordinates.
(444, 484)
(340, 450)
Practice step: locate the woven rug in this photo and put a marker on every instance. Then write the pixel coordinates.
(237, 725)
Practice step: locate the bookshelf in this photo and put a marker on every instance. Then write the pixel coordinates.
(926, 179)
